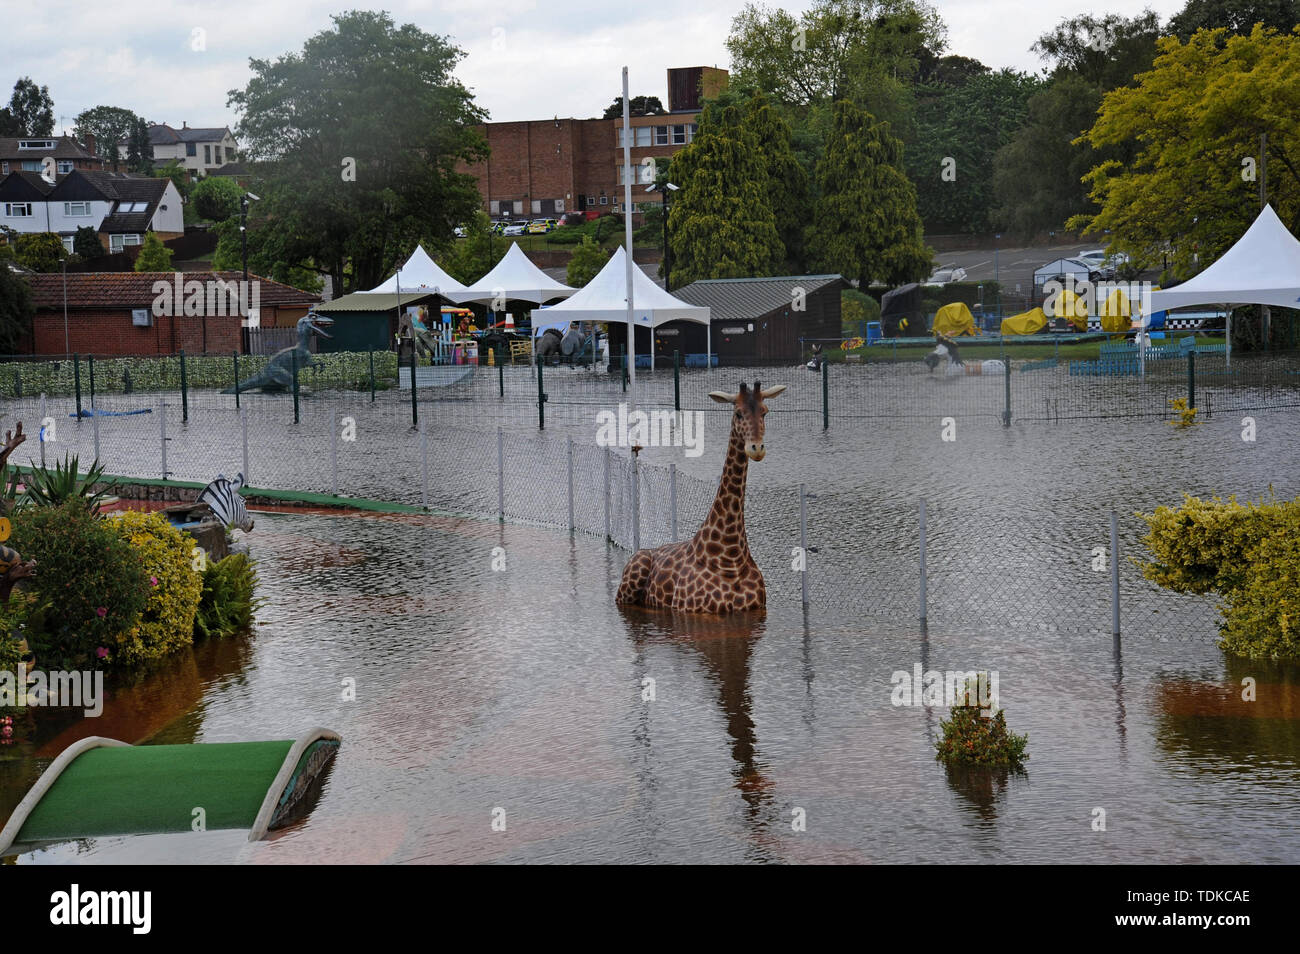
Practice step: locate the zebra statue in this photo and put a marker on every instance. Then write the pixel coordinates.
(945, 347)
(222, 495)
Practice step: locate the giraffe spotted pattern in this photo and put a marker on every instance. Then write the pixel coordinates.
(713, 572)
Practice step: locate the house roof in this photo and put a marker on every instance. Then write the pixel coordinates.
(374, 302)
(24, 187)
(94, 185)
(118, 290)
(65, 147)
(739, 299)
(160, 134)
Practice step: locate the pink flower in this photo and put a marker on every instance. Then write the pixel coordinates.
(101, 652)
(101, 611)
(7, 731)
(153, 581)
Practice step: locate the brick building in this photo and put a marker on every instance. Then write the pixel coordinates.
(544, 168)
(123, 313)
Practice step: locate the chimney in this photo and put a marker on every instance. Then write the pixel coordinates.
(90, 143)
(184, 124)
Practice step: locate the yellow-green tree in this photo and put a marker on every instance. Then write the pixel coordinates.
(1196, 118)
(154, 256)
(587, 261)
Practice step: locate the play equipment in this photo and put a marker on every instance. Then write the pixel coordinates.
(98, 412)
(954, 319)
(1026, 323)
(1116, 313)
(1072, 308)
(279, 371)
(103, 787)
(851, 344)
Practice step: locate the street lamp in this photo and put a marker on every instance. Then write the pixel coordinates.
(667, 190)
(243, 226)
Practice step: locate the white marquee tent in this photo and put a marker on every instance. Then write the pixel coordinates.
(516, 278)
(604, 299)
(421, 276)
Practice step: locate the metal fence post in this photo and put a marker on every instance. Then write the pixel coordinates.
(243, 427)
(185, 393)
(1191, 378)
(424, 466)
(42, 430)
(163, 418)
(501, 378)
(1114, 573)
(803, 545)
(569, 451)
(622, 364)
(541, 394)
(677, 380)
(76, 382)
(415, 411)
(293, 363)
(826, 397)
(334, 452)
(235, 357)
(607, 537)
(672, 499)
(636, 503)
(1006, 413)
(501, 476)
(95, 422)
(90, 364)
(924, 580)
(372, 374)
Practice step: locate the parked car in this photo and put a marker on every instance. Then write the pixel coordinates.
(573, 218)
(515, 228)
(460, 231)
(941, 276)
(539, 226)
(1102, 264)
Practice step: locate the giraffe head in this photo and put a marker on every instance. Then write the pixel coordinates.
(750, 411)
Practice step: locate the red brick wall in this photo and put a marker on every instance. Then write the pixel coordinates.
(110, 332)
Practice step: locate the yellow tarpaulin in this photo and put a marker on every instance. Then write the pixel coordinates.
(954, 319)
(1025, 323)
(1116, 313)
(1071, 306)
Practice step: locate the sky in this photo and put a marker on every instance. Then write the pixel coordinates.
(174, 61)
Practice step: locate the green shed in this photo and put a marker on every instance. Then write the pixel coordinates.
(365, 320)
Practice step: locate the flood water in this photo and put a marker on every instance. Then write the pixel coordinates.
(525, 689)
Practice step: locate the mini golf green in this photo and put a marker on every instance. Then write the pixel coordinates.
(105, 787)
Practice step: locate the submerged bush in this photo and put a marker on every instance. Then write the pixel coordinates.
(1248, 554)
(227, 603)
(90, 581)
(973, 736)
(166, 623)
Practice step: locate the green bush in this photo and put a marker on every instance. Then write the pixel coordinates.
(970, 737)
(91, 581)
(168, 555)
(856, 309)
(227, 604)
(1248, 554)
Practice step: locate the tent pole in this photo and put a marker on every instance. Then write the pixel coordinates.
(627, 243)
(1227, 340)
(708, 344)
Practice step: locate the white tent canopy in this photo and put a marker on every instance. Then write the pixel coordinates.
(515, 278)
(1262, 268)
(604, 299)
(421, 276)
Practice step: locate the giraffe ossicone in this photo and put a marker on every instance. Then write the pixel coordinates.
(713, 572)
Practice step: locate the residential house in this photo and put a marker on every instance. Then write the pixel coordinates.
(119, 206)
(64, 154)
(200, 150)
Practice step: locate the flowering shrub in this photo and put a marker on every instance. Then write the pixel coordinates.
(972, 738)
(90, 584)
(1248, 554)
(172, 584)
(1186, 415)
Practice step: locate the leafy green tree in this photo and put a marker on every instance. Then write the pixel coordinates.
(1236, 16)
(40, 251)
(32, 109)
(637, 106)
(139, 150)
(959, 129)
(154, 256)
(865, 224)
(721, 223)
(1195, 122)
(359, 137)
(1106, 51)
(587, 261)
(110, 125)
(216, 198)
(472, 257)
(179, 175)
(267, 255)
(86, 243)
(787, 180)
(16, 309)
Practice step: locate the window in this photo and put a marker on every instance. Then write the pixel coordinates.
(67, 243)
(118, 242)
(207, 155)
(230, 153)
(494, 207)
(679, 135)
(591, 200)
(33, 165)
(518, 206)
(691, 130)
(645, 135)
(614, 208)
(537, 206)
(35, 143)
(131, 207)
(18, 210)
(76, 208)
(559, 205)
(604, 200)
(661, 135)
(190, 149)
(64, 166)
(4, 168)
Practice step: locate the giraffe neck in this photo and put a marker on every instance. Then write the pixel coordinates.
(720, 541)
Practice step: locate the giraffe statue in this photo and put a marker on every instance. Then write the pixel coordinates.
(713, 572)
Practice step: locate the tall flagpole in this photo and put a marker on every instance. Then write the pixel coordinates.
(627, 235)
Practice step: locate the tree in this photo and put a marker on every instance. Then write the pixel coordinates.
(154, 256)
(1106, 51)
(16, 309)
(1236, 16)
(110, 125)
(266, 253)
(359, 137)
(865, 224)
(40, 251)
(86, 243)
(1195, 122)
(587, 261)
(472, 257)
(216, 198)
(139, 150)
(32, 109)
(637, 106)
(721, 223)
(179, 175)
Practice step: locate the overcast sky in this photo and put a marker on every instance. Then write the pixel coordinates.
(525, 59)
